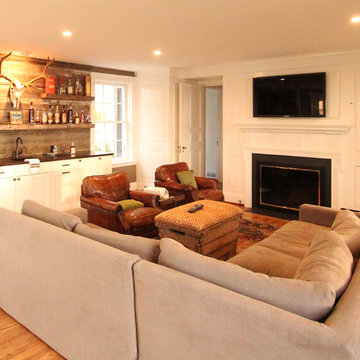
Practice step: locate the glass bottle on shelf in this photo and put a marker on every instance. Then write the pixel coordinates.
(82, 116)
(31, 114)
(63, 116)
(77, 118)
(50, 116)
(44, 115)
(88, 117)
(37, 116)
(57, 115)
(62, 87)
(70, 115)
(70, 88)
(78, 88)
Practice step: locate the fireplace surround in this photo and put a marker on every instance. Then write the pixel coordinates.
(282, 183)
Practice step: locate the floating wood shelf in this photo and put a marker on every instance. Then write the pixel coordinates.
(67, 97)
(45, 127)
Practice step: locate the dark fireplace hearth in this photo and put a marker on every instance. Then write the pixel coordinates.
(283, 183)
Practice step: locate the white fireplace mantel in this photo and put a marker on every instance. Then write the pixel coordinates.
(295, 128)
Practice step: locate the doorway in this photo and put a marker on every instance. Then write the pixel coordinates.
(213, 132)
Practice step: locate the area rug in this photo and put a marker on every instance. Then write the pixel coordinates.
(251, 232)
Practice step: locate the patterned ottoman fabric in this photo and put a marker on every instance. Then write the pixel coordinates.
(211, 231)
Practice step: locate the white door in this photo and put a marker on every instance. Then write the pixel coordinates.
(7, 198)
(191, 126)
(35, 187)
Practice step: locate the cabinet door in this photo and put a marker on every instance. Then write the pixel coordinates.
(35, 187)
(88, 167)
(67, 189)
(7, 198)
(104, 165)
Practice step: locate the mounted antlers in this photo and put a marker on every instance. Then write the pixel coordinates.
(16, 88)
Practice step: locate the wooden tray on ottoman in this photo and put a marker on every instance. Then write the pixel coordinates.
(211, 231)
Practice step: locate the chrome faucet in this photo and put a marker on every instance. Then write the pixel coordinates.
(18, 151)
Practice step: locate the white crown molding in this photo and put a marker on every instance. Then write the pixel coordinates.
(293, 128)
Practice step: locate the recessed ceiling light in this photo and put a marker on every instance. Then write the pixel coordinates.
(157, 52)
(67, 33)
(355, 19)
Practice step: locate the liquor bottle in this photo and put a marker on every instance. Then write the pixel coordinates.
(44, 115)
(31, 114)
(62, 88)
(78, 88)
(63, 116)
(70, 88)
(72, 149)
(37, 116)
(88, 117)
(50, 115)
(77, 119)
(57, 115)
(82, 116)
(70, 115)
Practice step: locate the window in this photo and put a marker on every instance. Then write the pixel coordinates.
(112, 118)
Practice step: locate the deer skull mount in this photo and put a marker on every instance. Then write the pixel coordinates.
(16, 88)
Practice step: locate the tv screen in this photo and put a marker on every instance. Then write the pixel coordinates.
(300, 95)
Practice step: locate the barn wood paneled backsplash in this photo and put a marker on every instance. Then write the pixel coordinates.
(38, 141)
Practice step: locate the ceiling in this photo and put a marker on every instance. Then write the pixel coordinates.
(123, 33)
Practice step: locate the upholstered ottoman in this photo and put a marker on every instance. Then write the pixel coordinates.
(211, 231)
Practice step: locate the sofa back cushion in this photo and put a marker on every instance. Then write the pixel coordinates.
(54, 217)
(327, 260)
(147, 249)
(312, 299)
(113, 187)
(347, 224)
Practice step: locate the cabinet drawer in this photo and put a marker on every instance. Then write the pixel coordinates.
(63, 165)
(24, 169)
(7, 171)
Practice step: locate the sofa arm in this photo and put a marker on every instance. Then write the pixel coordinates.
(319, 215)
(104, 204)
(206, 183)
(149, 200)
(222, 324)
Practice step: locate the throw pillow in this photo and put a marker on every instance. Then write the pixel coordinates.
(130, 204)
(147, 249)
(54, 217)
(187, 178)
(310, 299)
(347, 224)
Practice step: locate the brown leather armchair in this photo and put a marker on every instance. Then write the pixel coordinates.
(99, 194)
(166, 176)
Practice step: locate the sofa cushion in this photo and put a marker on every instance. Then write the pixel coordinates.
(187, 178)
(60, 219)
(281, 253)
(328, 260)
(129, 204)
(347, 224)
(310, 299)
(147, 249)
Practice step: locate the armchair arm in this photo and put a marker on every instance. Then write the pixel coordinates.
(149, 200)
(206, 183)
(179, 189)
(105, 213)
(100, 203)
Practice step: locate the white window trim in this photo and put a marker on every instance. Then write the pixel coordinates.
(129, 84)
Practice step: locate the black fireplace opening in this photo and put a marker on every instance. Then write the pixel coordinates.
(283, 183)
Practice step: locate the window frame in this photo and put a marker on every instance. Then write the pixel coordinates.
(127, 83)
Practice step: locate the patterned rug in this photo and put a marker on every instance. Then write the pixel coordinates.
(251, 232)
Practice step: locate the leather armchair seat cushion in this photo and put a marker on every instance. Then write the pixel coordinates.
(210, 194)
(141, 217)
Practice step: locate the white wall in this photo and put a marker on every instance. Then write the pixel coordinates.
(336, 137)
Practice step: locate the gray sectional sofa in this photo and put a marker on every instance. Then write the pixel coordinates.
(94, 294)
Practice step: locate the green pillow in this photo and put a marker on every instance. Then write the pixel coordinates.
(187, 178)
(130, 204)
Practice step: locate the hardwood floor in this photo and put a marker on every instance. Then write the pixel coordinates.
(18, 343)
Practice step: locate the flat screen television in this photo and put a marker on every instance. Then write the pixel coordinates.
(299, 95)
